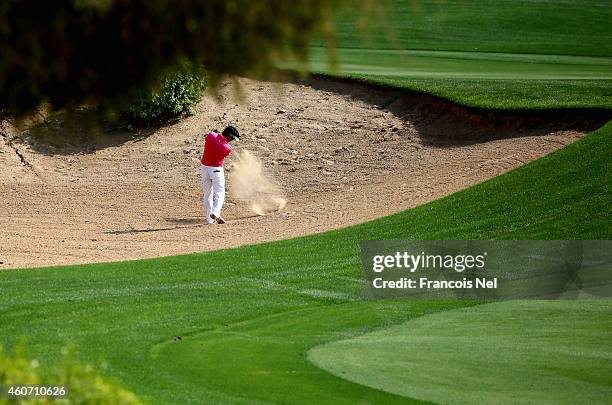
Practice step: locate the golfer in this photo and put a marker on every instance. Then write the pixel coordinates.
(216, 149)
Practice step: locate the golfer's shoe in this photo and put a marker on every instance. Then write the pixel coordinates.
(217, 219)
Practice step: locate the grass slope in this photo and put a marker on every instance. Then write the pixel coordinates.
(566, 27)
(554, 352)
(493, 54)
(248, 315)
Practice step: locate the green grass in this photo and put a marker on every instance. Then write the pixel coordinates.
(566, 27)
(492, 54)
(248, 315)
(500, 81)
(555, 352)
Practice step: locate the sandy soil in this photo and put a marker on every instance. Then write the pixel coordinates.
(343, 152)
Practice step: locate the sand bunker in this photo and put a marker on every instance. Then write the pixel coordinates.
(341, 153)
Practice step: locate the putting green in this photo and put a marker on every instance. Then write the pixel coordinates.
(519, 352)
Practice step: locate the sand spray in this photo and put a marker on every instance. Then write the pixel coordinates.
(250, 184)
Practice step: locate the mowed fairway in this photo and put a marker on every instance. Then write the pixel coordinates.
(490, 80)
(248, 316)
(493, 54)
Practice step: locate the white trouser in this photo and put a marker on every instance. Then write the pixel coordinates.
(213, 182)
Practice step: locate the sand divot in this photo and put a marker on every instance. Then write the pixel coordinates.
(249, 183)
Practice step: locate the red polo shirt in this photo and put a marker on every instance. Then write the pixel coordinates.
(216, 149)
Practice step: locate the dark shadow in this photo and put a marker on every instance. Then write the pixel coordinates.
(146, 230)
(186, 221)
(438, 122)
(442, 123)
(202, 221)
(246, 217)
(82, 131)
(183, 223)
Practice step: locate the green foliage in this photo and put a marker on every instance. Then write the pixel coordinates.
(72, 51)
(18, 369)
(178, 92)
(84, 383)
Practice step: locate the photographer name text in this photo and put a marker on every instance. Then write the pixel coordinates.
(412, 263)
